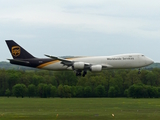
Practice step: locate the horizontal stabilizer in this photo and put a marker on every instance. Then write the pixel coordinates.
(20, 61)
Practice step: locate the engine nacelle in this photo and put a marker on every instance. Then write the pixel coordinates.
(96, 68)
(79, 65)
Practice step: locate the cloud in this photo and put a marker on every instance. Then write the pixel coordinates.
(108, 16)
(102, 24)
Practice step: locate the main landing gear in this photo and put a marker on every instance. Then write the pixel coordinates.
(79, 73)
(139, 71)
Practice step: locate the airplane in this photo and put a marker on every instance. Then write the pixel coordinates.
(78, 64)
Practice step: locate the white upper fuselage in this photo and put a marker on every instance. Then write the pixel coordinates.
(116, 61)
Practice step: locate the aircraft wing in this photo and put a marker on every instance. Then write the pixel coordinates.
(69, 63)
(64, 61)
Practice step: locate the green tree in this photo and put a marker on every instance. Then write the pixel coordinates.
(138, 91)
(112, 92)
(45, 95)
(42, 90)
(143, 76)
(8, 93)
(100, 91)
(19, 90)
(126, 93)
(60, 91)
(151, 78)
(80, 91)
(133, 77)
(13, 79)
(152, 91)
(66, 78)
(73, 91)
(87, 91)
(117, 82)
(49, 86)
(3, 82)
(67, 91)
(35, 80)
(31, 90)
(53, 91)
(132, 91)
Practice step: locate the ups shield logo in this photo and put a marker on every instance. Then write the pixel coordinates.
(16, 50)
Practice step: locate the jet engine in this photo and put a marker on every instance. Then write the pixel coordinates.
(96, 68)
(79, 65)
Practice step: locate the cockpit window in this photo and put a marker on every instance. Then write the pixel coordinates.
(142, 55)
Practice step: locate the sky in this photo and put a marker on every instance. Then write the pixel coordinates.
(81, 27)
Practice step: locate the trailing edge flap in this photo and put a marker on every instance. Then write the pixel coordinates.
(64, 61)
(15, 60)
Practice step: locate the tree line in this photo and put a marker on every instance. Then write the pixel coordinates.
(108, 83)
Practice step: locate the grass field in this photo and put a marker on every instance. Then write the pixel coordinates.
(79, 109)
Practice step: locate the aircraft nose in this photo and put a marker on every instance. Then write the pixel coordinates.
(149, 61)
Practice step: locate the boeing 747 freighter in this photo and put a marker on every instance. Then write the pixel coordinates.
(78, 64)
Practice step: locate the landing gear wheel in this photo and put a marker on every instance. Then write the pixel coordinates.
(139, 72)
(84, 73)
(78, 73)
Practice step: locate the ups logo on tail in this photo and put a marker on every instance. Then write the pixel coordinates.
(16, 51)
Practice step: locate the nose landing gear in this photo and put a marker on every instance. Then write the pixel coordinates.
(139, 71)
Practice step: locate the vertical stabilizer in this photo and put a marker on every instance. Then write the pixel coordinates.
(17, 51)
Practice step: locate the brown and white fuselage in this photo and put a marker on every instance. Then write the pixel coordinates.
(78, 64)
